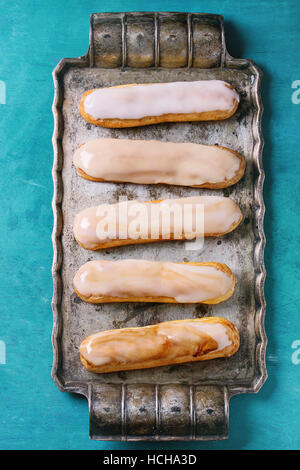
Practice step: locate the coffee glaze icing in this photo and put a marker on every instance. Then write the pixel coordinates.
(154, 281)
(134, 102)
(154, 162)
(165, 343)
(221, 215)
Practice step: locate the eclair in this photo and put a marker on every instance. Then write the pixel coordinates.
(131, 222)
(152, 103)
(155, 162)
(172, 342)
(130, 280)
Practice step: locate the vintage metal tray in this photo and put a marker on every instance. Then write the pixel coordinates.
(188, 401)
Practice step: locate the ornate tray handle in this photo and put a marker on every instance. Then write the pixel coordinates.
(162, 412)
(156, 40)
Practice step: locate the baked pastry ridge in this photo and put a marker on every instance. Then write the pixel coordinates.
(172, 342)
(129, 280)
(130, 222)
(156, 162)
(142, 104)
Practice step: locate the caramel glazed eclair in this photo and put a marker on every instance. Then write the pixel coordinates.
(142, 104)
(131, 222)
(155, 162)
(131, 280)
(172, 342)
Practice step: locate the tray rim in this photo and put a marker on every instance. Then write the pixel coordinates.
(260, 272)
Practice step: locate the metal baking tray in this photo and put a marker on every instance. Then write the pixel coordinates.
(178, 402)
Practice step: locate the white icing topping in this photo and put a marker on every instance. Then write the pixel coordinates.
(220, 214)
(186, 283)
(152, 162)
(138, 101)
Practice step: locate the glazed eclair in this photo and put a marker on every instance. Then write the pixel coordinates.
(166, 343)
(132, 280)
(155, 162)
(142, 104)
(132, 222)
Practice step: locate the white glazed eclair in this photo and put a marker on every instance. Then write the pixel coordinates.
(142, 104)
(155, 162)
(132, 280)
(132, 222)
(172, 342)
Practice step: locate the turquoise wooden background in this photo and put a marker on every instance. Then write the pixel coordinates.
(34, 35)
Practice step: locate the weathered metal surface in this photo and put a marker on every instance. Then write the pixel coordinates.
(187, 401)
